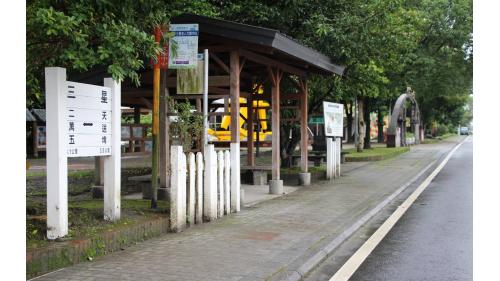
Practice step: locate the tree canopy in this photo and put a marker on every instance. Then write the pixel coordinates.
(387, 45)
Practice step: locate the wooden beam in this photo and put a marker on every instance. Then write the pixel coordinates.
(213, 81)
(147, 103)
(271, 62)
(235, 95)
(224, 66)
(304, 136)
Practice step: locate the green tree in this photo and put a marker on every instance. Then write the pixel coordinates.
(83, 35)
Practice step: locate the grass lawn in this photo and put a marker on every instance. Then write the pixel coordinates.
(85, 218)
(374, 154)
(438, 138)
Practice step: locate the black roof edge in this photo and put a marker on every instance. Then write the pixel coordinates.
(262, 36)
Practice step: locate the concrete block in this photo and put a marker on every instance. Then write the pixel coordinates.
(259, 177)
(305, 179)
(276, 187)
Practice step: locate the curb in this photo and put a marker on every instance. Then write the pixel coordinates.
(325, 252)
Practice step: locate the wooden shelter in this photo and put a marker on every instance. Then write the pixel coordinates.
(241, 56)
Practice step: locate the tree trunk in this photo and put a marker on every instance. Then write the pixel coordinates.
(348, 110)
(380, 123)
(368, 127)
(361, 126)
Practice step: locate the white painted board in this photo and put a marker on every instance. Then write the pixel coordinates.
(334, 119)
(186, 38)
(88, 120)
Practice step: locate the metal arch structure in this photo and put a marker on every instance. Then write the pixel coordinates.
(396, 132)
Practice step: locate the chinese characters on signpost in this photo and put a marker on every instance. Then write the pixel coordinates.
(88, 120)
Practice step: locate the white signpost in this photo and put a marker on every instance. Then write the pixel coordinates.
(186, 39)
(334, 127)
(82, 120)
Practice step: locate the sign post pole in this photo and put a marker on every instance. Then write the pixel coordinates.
(57, 163)
(205, 99)
(82, 120)
(112, 163)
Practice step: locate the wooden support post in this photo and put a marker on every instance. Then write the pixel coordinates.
(164, 162)
(235, 96)
(234, 91)
(304, 140)
(250, 118)
(137, 120)
(112, 163)
(276, 125)
(276, 184)
(98, 171)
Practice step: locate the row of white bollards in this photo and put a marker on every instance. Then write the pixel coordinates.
(208, 191)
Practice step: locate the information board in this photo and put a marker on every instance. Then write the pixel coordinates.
(186, 41)
(88, 120)
(334, 119)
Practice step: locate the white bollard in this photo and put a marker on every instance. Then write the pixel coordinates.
(227, 181)
(329, 159)
(191, 190)
(199, 188)
(235, 177)
(178, 189)
(112, 163)
(338, 158)
(210, 184)
(57, 163)
(220, 184)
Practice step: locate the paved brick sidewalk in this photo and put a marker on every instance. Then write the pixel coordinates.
(267, 240)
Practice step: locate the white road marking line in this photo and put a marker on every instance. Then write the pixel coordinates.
(350, 267)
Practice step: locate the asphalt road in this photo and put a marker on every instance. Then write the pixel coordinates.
(433, 240)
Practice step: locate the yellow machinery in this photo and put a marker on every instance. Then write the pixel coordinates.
(225, 134)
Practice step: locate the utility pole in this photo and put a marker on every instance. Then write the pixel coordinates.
(156, 122)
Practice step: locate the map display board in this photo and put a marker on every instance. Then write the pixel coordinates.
(186, 41)
(88, 120)
(334, 119)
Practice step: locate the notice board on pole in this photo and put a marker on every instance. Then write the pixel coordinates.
(334, 119)
(183, 47)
